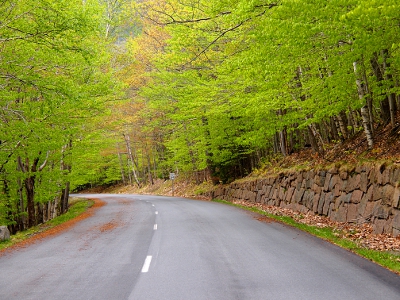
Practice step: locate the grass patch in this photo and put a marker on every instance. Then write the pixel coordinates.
(77, 207)
(386, 259)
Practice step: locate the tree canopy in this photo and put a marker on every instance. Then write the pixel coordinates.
(53, 80)
(236, 80)
(100, 91)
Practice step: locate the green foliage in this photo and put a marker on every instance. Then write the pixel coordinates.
(235, 73)
(53, 78)
(91, 165)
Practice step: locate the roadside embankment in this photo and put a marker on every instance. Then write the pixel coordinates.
(363, 194)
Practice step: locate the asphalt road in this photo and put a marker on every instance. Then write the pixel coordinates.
(156, 248)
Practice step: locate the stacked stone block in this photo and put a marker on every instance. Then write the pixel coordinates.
(362, 194)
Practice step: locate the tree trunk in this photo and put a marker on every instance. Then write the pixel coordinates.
(65, 198)
(122, 168)
(351, 123)
(30, 195)
(391, 96)
(29, 183)
(334, 129)
(55, 207)
(398, 101)
(282, 135)
(21, 211)
(9, 211)
(130, 155)
(365, 111)
(367, 126)
(291, 144)
(151, 181)
(355, 116)
(283, 142)
(276, 142)
(342, 120)
(65, 167)
(39, 213)
(312, 139)
(148, 159)
(378, 69)
(325, 131)
(129, 173)
(316, 140)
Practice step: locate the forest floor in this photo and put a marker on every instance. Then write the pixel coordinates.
(352, 152)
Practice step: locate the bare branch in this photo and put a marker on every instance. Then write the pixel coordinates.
(266, 6)
(215, 40)
(9, 156)
(43, 165)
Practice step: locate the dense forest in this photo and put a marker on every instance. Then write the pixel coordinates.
(105, 91)
(55, 84)
(220, 86)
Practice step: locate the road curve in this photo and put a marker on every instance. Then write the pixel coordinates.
(151, 247)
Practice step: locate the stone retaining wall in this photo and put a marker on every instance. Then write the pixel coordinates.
(363, 194)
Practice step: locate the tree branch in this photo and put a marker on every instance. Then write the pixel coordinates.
(43, 165)
(215, 40)
(9, 156)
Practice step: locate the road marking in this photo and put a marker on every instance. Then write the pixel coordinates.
(146, 264)
(155, 226)
(156, 212)
(152, 205)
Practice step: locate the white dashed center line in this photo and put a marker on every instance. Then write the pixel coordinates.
(156, 212)
(155, 226)
(146, 264)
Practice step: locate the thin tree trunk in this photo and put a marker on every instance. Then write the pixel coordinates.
(122, 168)
(379, 70)
(276, 142)
(149, 168)
(45, 208)
(351, 124)
(65, 197)
(316, 139)
(282, 136)
(38, 213)
(8, 205)
(368, 99)
(342, 120)
(290, 146)
(130, 155)
(365, 112)
(130, 173)
(367, 126)
(30, 197)
(312, 139)
(355, 116)
(48, 210)
(65, 167)
(55, 207)
(155, 162)
(398, 101)
(29, 183)
(283, 142)
(23, 222)
(391, 96)
(334, 129)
